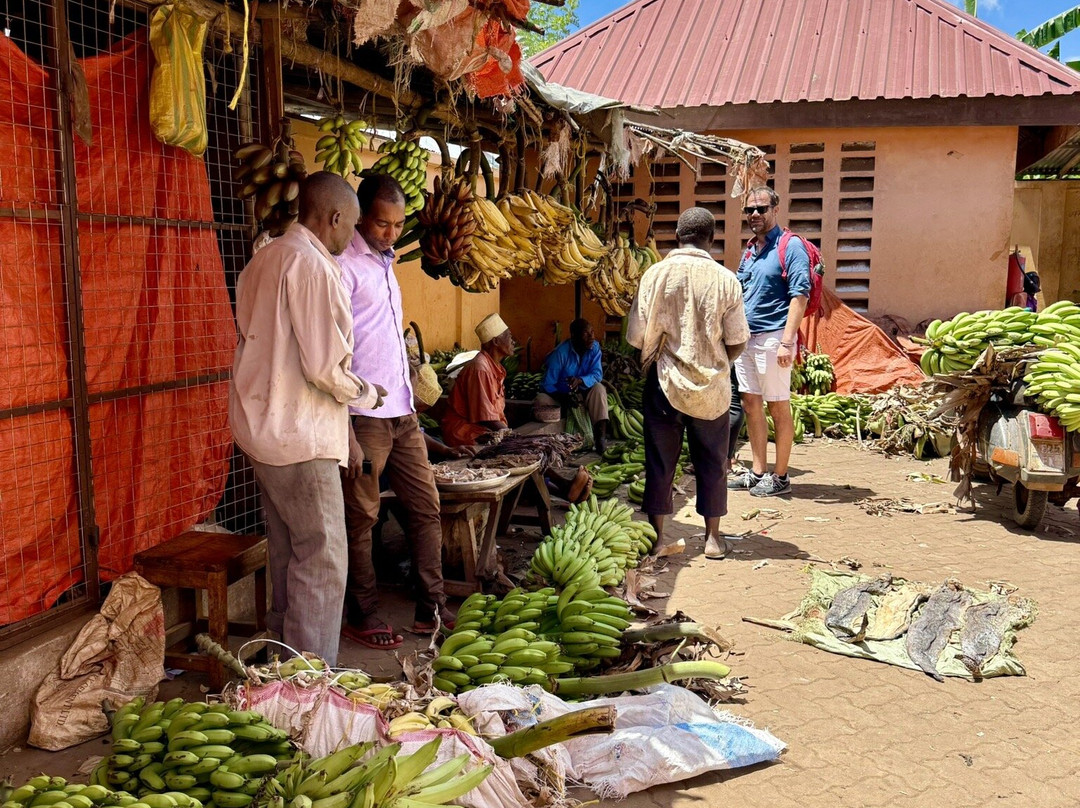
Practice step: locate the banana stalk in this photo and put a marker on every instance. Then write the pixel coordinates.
(590, 721)
(640, 679)
(673, 631)
(208, 646)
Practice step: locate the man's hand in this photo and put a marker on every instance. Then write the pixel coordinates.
(458, 452)
(380, 391)
(574, 383)
(784, 356)
(356, 456)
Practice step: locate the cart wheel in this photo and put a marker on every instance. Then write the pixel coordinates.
(1028, 506)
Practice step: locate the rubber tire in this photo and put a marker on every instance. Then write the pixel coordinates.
(1029, 506)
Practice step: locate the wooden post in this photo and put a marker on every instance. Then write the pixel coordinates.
(271, 80)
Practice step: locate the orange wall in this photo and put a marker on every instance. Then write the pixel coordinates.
(532, 309)
(445, 314)
(1046, 228)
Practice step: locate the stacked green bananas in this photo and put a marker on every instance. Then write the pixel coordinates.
(273, 177)
(631, 393)
(209, 752)
(814, 375)
(627, 423)
(341, 146)
(1053, 379)
(43, 791)
(384, 779)
(607, 477)
(406, 161)
(524, 385)
(469, 658)
(590, 623)
(832, 412)
(953, 346)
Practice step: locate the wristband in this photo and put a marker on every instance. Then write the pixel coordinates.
(787, 344)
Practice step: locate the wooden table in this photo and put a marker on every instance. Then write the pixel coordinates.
(462, 511)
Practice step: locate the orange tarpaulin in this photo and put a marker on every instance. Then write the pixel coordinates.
(864, 358)
(155, 308)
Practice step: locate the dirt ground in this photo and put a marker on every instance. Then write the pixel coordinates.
(858, 733)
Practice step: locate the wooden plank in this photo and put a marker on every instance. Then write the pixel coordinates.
(271, 81)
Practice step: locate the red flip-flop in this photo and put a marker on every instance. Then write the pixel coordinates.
(363, 636)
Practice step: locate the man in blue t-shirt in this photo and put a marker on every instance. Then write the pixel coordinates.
(775, 305)
(574, 374)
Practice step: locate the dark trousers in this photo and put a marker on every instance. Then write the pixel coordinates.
(664, 427)
(736, 416)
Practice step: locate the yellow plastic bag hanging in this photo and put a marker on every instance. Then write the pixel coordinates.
(178, 86)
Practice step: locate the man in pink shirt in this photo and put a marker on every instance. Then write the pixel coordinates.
(390, 437)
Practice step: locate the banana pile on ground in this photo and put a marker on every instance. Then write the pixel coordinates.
(954, 345)
(42, 791)
(832, 413)
(340, 148)
(406, 161)
(628, 424)
(440, 713)
(272, 175)
(348, 779)
(814, 375)
(630, 393)
(517, 655)
(593, 548)
(523, 385)
(615, 281)
(448, 225)
(208, 752)
(608, 476)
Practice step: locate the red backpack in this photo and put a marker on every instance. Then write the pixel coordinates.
(817, 269)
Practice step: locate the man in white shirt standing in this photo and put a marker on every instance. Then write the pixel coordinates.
(687, 318)
(288, 409)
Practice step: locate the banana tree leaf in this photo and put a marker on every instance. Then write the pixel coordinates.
(1051, 30)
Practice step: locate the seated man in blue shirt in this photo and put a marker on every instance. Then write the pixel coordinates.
(574, 374)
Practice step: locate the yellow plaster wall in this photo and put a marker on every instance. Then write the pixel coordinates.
(445, 314)
(1046, 228)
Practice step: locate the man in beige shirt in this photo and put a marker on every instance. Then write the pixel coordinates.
(288, 409)
(687, 318)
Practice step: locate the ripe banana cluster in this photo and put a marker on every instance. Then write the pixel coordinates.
(406, 161)
(486, 260)
(377, 694)
(351, 778)
(341, 146)
(441, 713)
(813, 375)
(206, 752)
(44, 791)
(615, 281)
(448, 225)
(953, 346)
(523, 385)
(272, 177)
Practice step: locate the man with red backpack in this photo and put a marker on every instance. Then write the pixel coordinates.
(775, 273)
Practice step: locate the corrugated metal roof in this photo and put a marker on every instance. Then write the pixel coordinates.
(694, 53)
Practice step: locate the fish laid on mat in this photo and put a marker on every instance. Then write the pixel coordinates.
(984, 628)
(893, 614)
(846, 617)
(930, 631)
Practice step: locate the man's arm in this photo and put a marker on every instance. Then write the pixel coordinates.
(592, 371)
(798, 272)
(553, 372)
(736, 329)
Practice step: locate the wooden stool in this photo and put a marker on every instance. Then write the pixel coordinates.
(195, 561)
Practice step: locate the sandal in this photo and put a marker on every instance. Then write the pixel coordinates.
(366, 636)
(447, 620)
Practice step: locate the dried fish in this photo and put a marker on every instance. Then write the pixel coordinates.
(846, 617)
(930, 630)
(554, 450)
(894, 612)
(985, 625)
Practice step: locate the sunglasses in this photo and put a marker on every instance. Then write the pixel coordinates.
(762, 209)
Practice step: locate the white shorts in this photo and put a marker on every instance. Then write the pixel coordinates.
(757, 370)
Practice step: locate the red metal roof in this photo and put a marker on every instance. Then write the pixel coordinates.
(694, 53)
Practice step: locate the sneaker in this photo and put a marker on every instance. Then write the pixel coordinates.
(744, 481)
(771, 485)
(717, 549)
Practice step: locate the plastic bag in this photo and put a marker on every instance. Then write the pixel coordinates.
(177, 85)
(118, 655)
(663, 736)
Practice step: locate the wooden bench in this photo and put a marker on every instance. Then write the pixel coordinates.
(198, 561)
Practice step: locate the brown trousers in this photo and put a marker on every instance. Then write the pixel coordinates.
(396, 446)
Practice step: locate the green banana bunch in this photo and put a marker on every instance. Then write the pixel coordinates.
(523, 385)
(272, 176)
(590, 627)
(406, 161)
(954, 345)
(635, 492)
(817, 375)
(341, 145)
(1053, 379)
(469, 658)
(44, 791)
(831, 413)
(204, 751)
(631, 393)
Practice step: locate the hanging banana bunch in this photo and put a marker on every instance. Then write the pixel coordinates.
(272, 176)
(341, 146)
(406, 161)
(448, 225)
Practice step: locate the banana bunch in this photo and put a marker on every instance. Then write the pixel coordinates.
(631, 393)
(486, 260)
(518, 609)
(635, 492)
(44, 791)
(817, 375)
(954, 345)
(528, 231)
(590, 626)
(208, 752)
(384, 779)
(523, 385)
(1053, 379)
(468, 659)
(833, 413)
(406, 161)
(568, 246)
(448, 226)
(607, 477)
(628, 424)
(441, 713)
(615, 281)
(377, 694)
(341, 146)
(272, 176)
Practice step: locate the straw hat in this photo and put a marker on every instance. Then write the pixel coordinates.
(491, 327)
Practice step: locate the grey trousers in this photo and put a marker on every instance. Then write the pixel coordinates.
(305, 532)
(595, 402)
